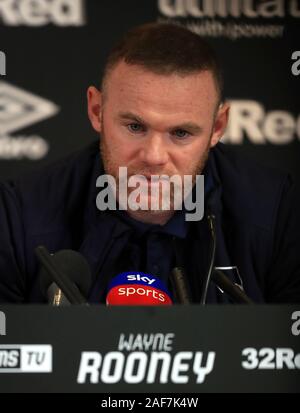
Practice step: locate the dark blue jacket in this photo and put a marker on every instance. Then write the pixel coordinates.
(257, 226)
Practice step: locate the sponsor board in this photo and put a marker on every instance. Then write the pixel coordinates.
(42, 12)
(16, 358)
(145, 358)
(231, 19)
(249, 120)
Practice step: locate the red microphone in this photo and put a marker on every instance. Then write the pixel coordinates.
(137, 288)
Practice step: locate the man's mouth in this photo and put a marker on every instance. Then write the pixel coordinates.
(156, 180)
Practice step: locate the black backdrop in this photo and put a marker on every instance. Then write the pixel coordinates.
(55, 49)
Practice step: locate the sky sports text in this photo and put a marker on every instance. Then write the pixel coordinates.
(2, 63)
(137, 289)
(152, 193)
(140, 289)
(143, 292)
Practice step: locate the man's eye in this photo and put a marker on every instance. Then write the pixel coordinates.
(181, 133)
(135, 127)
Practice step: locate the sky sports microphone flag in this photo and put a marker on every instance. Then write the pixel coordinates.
(137, 288)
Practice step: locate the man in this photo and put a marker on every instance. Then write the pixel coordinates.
(159, 113)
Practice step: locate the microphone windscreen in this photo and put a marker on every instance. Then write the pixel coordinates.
(56, 297)
(137, 288)
(74, 266)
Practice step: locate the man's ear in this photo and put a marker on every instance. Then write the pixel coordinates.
(94, 101)
(220, 123)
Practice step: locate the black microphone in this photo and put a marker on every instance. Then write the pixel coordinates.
(219, 278)
(65, 276)
(178, 282)
(178, 277)
(233, 290)
(213, 245)
(53, 293)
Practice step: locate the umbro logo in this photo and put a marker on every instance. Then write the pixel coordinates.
(19, 108)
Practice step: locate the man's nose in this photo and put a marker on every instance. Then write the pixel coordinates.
(154, 151)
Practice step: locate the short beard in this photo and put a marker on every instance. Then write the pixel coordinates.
(112, 168)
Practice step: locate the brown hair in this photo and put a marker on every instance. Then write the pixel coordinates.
(165, 48)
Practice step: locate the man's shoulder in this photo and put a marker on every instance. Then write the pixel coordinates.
(76, 164)
(239, 164)
(249, 189)
(56, 189)
(71, 168)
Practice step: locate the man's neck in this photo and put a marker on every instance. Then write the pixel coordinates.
(151, 217)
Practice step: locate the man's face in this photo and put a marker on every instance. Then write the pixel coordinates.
(156, 124)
